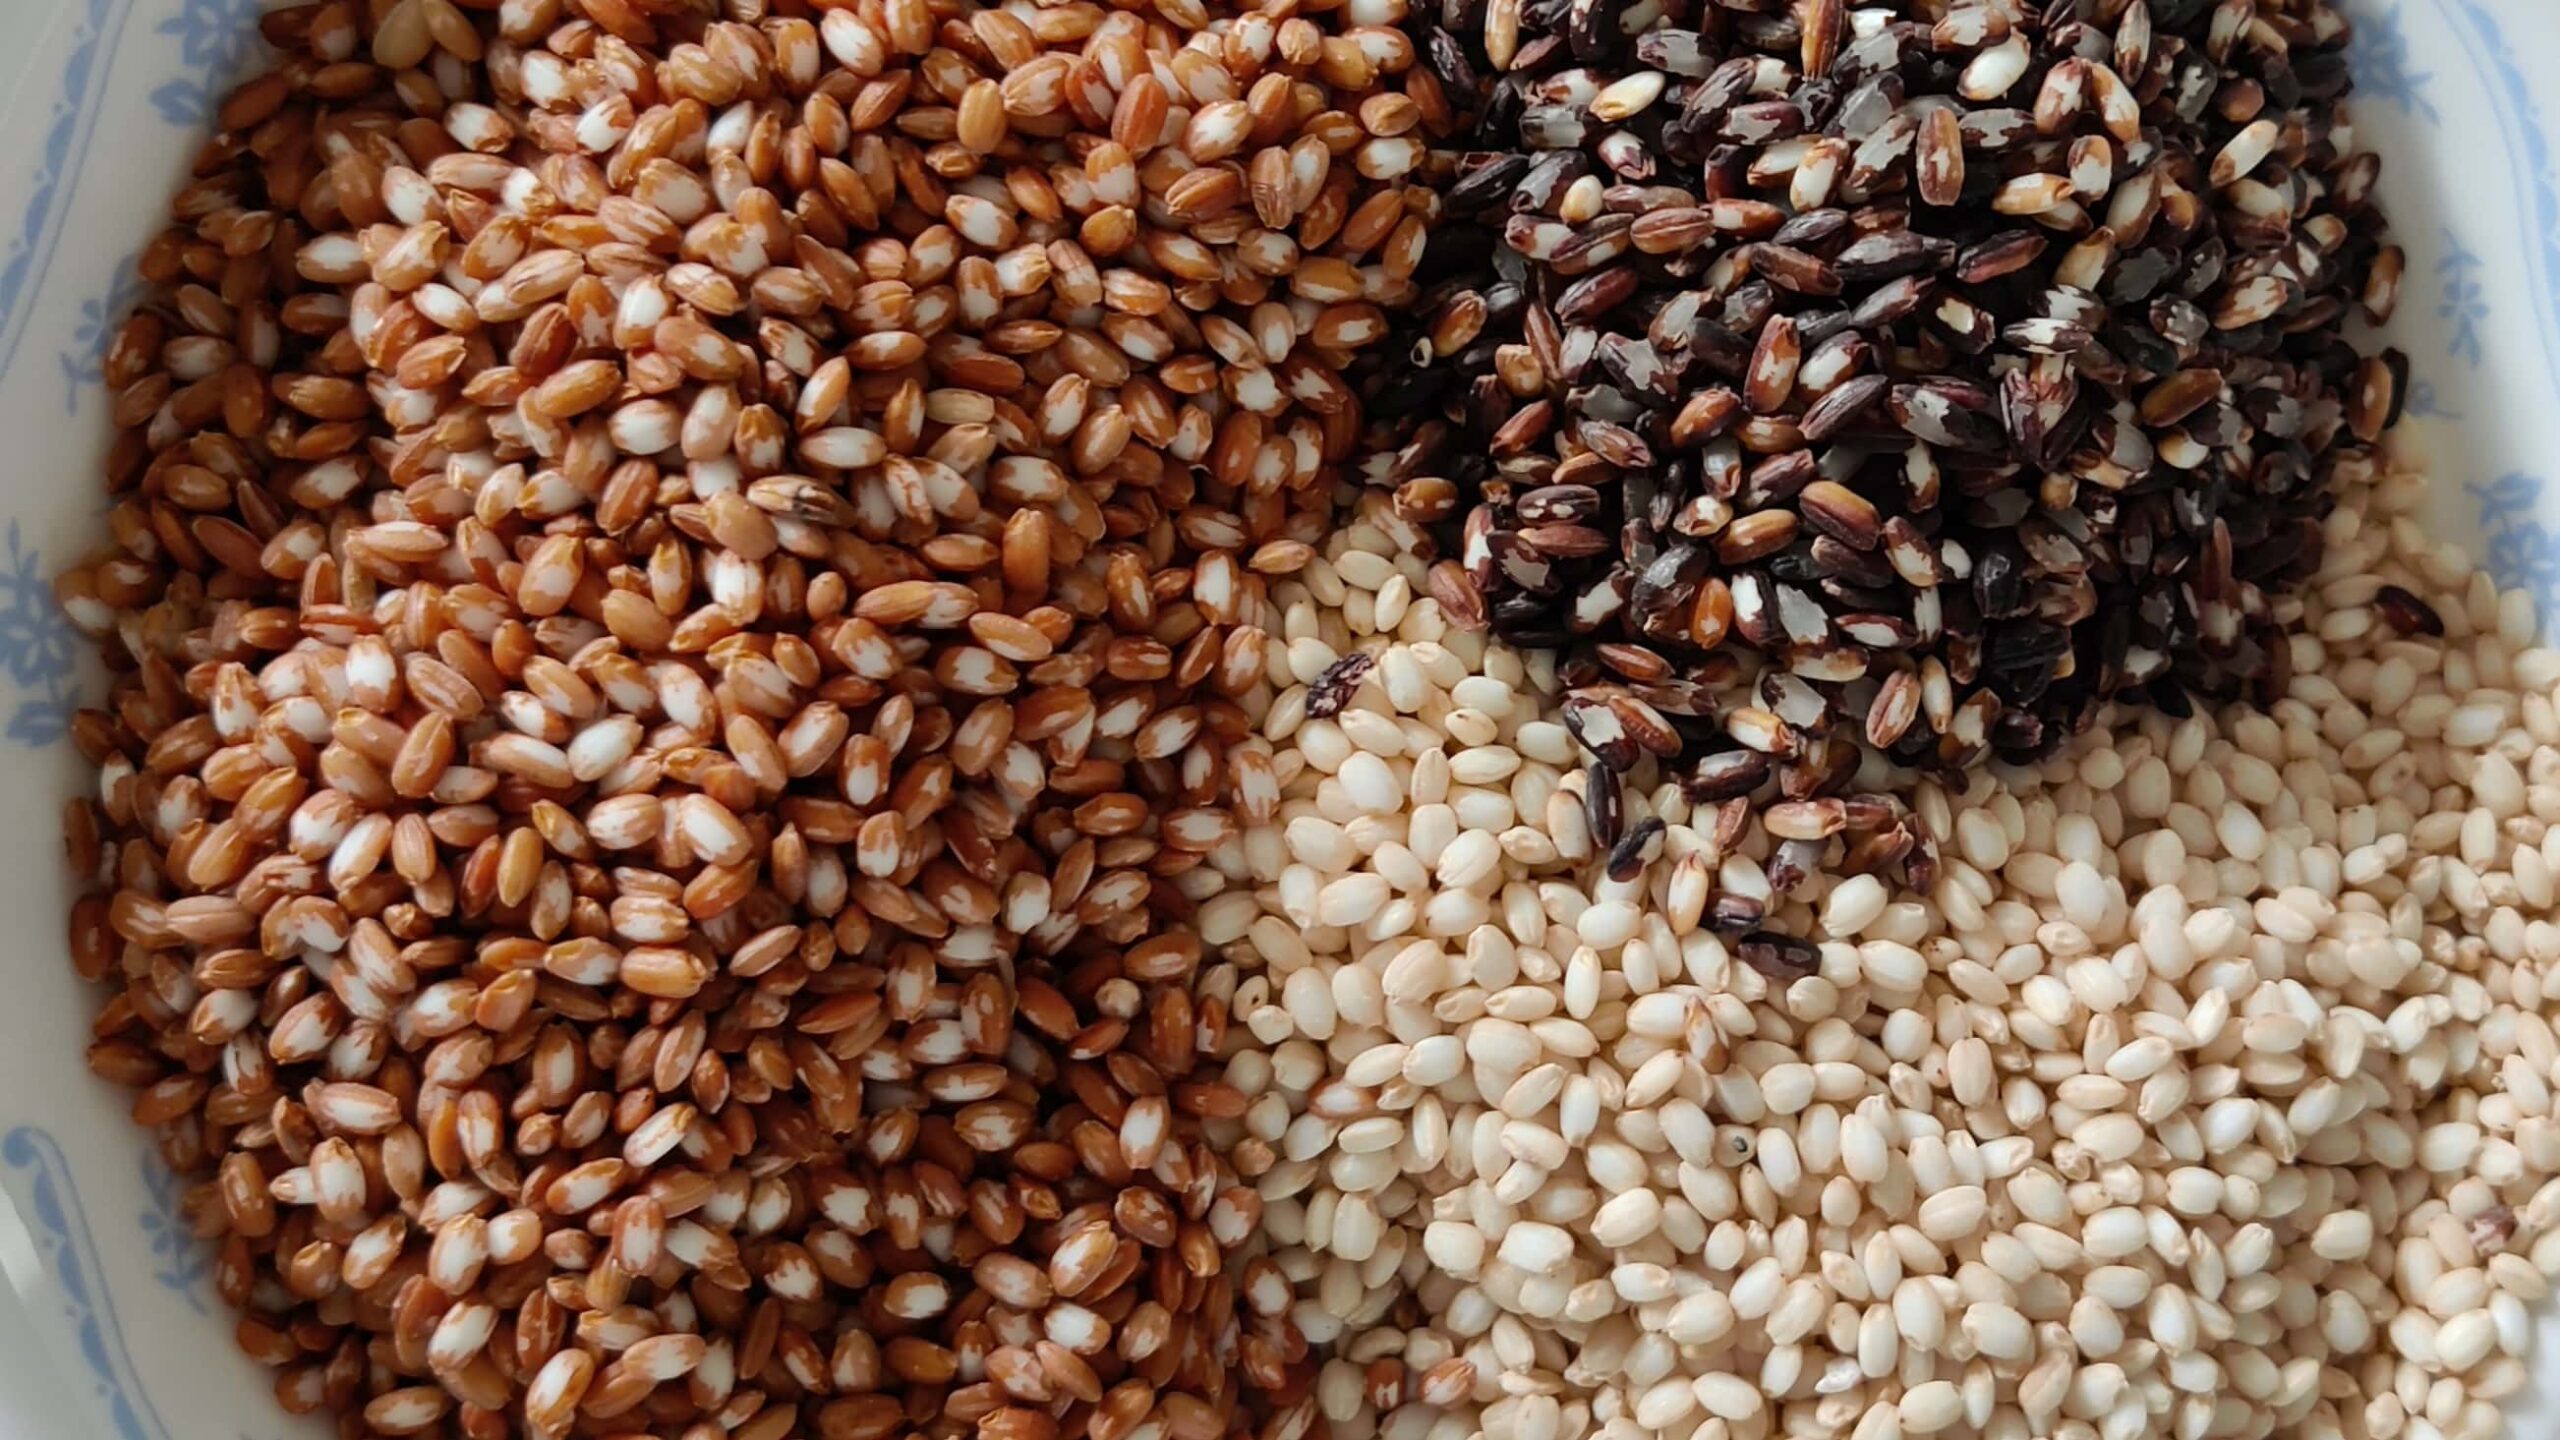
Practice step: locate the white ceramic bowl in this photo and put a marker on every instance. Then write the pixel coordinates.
(110, 98)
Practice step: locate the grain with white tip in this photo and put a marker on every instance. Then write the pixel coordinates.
(676, 581)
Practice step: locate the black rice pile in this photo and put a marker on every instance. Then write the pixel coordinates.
(1967, 364)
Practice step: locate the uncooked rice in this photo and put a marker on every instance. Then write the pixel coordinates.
(676, 599)
(771, 771)
(2207, 1091)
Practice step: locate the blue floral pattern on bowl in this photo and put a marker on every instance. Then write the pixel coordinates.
(192, 47)
(2383, 68)
(2519, 548)
(2522, 553)
(66, 139)
(84, 360)
(60, 1227)
(38, 648)
(182, 1260)
(215, 40)
(2464, 301)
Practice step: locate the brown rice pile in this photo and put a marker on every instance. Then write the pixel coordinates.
(678, 600)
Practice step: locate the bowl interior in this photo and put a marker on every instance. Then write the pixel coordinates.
(119, 93)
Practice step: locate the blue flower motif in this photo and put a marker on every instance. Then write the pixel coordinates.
(2507, 499)
(28, 256)
(2523, 553)
(36, 642)
(2381, 59)
(37, 647)
(182, 1260)
(2424, 403)
(2466, 301)
(84, 360)
(216, 39)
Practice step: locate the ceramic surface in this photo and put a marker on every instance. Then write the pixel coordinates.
(2459, 96)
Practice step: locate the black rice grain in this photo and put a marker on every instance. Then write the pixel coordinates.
(1969, 364)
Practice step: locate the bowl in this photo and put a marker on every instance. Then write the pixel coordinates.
(111, 101)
